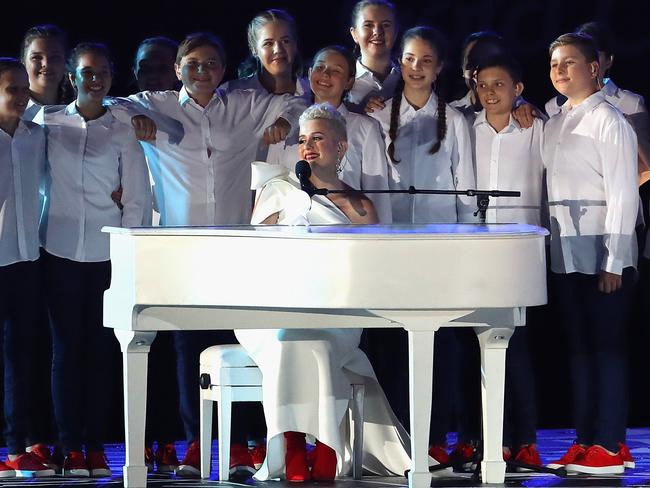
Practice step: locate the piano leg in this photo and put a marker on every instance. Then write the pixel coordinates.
(420, 381)
(493, 343)
(135, 350)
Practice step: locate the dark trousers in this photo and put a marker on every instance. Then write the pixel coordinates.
(456, 378)
(163, 420)
(247, 417)
(520, 412)
(20, 290)
(83, 351)
(595, 325)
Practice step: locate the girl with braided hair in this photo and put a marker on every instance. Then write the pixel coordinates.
(428, 146)
(427, 141)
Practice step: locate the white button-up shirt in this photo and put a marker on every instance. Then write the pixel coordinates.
(631, 104)
(284, 150)
(87, 160)
(364, 165)
(510, 160)
(367, 85)
(22, 163)
(450, 168)
(590, 153)
(201, 159)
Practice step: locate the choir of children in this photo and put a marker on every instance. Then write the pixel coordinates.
(68, 170)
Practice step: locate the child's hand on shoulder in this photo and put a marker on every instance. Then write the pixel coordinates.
(276, 132)
(144, 127)
(374, 103)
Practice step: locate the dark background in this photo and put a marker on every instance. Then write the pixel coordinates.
(528, 25)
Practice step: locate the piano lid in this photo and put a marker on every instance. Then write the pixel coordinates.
(456, 230)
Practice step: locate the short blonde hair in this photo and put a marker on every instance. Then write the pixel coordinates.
(326, 111)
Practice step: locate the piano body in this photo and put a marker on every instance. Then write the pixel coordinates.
(419, 277)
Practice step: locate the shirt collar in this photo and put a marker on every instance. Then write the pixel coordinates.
(105, 119)
(465, 102)
(363, 71)
(184, 97)
(609, 87)
(430, 108)
(588, 104)
(481, 118)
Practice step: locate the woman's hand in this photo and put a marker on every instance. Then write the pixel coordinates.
(609, 282)
(374, 103)
(145, 128)
(276, 132)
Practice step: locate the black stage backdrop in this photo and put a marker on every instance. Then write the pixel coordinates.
(528, 25)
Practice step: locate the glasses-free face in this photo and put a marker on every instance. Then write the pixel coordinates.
(420, 64)
(497, 90)
(276, 48)
(375, 31)
(92, 77)
(319, 145)
(154, 68)
(329, 76)
(14, 93)
(45, 63)
(201, 70)
(571, 74)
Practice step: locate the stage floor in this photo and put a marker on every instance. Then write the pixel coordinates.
(552, 444)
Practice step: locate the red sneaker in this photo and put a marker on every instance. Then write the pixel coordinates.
(28, 466)
(439, 454)
(258, 454)
(190, 466)
(576, 451)
(596, 460)
(43, 454)
(6, 471)
(324, 463)
(75, 465)
(624, 452)
(241, 462)
(148, 459)
(166, 458)
(528, 455)
(463, 456)
(97, 464)
(295, 459)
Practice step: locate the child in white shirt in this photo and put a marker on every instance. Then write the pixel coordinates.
(90, 154)
(22, 162)
(590, 154)
(508, 157)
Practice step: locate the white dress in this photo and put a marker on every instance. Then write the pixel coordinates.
(307, 372)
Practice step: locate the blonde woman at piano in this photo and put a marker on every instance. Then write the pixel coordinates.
(307, 372)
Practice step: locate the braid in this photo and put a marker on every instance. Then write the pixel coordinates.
(442, 122)
(394, 119)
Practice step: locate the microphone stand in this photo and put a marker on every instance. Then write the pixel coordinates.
(482, 196)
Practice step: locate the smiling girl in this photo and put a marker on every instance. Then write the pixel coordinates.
(90, 154)
(428, 145)
(374, 31)
(427, 141)
(43, 52)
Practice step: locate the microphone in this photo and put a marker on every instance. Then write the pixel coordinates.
(303, 172)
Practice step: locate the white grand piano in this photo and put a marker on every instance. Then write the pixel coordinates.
(419, 277)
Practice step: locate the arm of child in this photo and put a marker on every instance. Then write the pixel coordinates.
(619, 167)
(136, 196)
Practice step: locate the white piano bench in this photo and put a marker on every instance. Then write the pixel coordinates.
(228, 375)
